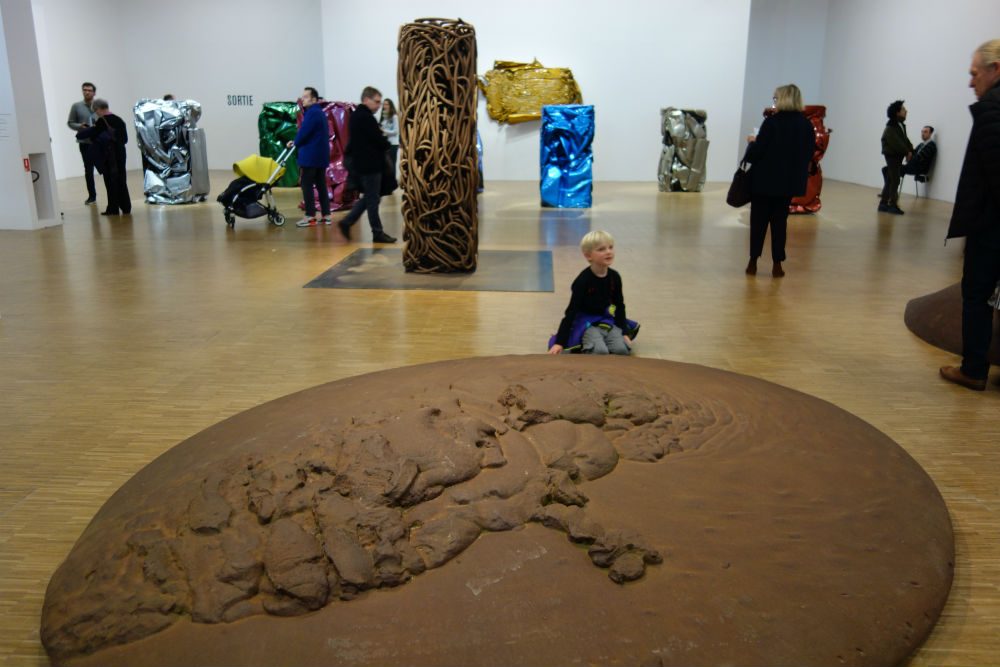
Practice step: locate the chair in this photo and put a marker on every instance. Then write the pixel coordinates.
(924, 178)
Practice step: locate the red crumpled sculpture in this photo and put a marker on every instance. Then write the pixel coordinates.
(338, 116)
(810, 202)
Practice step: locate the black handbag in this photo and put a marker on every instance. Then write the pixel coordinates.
(739, 189)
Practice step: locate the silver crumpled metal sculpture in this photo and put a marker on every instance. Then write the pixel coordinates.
(685, 149)
(174, 153)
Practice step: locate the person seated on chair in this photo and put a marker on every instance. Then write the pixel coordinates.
(923, 154)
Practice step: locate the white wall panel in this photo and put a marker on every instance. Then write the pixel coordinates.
(915, 50)
(204, 51)
(630, 58)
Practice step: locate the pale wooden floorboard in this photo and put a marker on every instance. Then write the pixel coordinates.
(119, 339)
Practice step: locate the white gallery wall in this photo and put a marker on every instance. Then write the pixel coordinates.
(206, 51)
(915, 50)
(785, 46)
(630, 58)
(27, 180)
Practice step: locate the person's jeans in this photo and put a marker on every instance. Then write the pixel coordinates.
(766, 210)
(371, 186)
(893, 170)
(598, 340)
(88, 170)
(313, 180)
(980, 273)
(116, 185)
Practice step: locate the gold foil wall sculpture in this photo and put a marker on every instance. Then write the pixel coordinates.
(437, 145)
(516, 92)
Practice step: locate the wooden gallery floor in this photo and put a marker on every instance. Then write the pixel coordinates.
(119, 338)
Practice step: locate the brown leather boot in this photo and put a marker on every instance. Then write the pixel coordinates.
(752, 267)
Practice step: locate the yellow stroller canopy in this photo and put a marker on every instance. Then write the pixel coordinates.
(259, 169)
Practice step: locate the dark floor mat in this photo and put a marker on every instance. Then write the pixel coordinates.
(497, 271)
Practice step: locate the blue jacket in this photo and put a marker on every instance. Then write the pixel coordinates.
(313, 138)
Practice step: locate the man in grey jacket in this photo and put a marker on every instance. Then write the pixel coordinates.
(81, 116)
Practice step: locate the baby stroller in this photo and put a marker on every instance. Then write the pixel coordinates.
(249, 196)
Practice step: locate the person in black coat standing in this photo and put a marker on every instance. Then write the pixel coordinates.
(367, 149)
(779, 156)
(976, 216)
(896, 147)
(108, 137)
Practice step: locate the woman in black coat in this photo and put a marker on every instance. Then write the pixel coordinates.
(779, 156)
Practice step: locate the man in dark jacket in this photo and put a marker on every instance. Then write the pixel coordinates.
(367, 149)
(108, 137)
(895, 147)
(923, 154)
(976, 216)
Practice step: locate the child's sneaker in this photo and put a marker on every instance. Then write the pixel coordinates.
(306, 222)
(326, 221)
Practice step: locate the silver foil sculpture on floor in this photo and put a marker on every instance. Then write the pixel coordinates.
(685, 149)
(174, 154)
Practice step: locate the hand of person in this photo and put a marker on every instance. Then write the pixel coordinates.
(909, 156)
(628, 341)
(556, 349)
(751, 138)
(289, 144)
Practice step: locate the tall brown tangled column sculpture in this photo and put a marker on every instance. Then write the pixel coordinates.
(437, 142)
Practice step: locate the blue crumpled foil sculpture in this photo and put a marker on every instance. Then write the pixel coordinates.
(479, 165)
(566, 156)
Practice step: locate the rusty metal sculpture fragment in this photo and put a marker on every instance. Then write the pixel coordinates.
(437, 145)
(516, 92)
(685, 149)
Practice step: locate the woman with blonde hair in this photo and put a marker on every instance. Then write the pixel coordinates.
(779, 156)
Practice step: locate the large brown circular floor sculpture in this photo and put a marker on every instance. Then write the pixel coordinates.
(937, 319)
(528, 510)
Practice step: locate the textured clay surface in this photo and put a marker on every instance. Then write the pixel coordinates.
(937, 319)
(515, 510)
